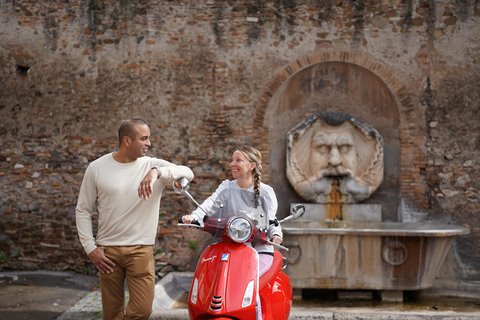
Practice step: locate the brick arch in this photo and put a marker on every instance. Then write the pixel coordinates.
(412, 138)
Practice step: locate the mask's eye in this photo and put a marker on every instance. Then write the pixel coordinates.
(323, 149)
(345, 148)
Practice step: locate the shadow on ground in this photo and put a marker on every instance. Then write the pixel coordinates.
(41, 295)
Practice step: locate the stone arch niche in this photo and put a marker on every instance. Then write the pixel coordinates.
(346, 83)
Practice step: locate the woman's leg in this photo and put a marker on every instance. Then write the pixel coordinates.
(264, 263)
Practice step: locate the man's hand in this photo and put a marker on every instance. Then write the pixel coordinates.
(145, 189)
(101, 262)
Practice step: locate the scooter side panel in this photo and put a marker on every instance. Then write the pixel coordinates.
(277, 294)
(223, 272)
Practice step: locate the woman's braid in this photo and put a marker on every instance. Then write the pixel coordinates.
(257, 177)
(255, 156)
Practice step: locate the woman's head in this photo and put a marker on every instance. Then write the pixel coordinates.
(247, 160)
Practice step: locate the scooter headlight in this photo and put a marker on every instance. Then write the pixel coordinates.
(239, 229)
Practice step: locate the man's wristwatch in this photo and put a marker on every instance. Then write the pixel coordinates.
(158, 170)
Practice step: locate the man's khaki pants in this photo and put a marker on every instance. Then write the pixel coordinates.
(136, 264)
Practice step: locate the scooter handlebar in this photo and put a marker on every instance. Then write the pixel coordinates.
(194, 223)
(274, 222)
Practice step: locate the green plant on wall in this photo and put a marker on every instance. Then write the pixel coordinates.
(193, 244)
(87, 270)
(3, 256)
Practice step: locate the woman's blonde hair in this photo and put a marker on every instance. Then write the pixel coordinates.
(253, 155)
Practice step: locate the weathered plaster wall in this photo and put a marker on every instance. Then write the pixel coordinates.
(206, 75)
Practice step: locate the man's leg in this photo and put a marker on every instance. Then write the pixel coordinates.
(112, 286)
(140, 274)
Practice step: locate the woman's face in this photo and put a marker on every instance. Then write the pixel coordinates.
(240, 165)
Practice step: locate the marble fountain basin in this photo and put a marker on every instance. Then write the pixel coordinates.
(370, 255)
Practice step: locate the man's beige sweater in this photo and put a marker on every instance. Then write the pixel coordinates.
(124, 219)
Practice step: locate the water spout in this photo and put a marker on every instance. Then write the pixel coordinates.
(334, 207)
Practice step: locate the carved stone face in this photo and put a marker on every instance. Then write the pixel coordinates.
(333, 152)
(334, 156)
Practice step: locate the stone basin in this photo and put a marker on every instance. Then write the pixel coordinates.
(430, 229)
(370, 255)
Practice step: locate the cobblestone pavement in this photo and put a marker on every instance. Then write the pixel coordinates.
(170, 292)
(88, 308)
(65, 296)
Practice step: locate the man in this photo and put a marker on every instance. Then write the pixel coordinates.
(127, 225)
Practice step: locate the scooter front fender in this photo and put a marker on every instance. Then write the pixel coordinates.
(277, 295)
(223, 274)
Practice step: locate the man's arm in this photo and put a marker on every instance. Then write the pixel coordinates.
(83, 215)
(166, 171)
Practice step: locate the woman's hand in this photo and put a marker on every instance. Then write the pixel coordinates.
(277, 240)
(187, 219)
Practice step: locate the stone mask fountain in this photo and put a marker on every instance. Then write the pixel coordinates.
(334, 158)
(335, 161)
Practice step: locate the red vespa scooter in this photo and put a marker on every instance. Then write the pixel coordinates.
(226, 282)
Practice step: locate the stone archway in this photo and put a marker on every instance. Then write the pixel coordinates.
(349, 83)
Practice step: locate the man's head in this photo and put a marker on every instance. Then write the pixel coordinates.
(134, 138)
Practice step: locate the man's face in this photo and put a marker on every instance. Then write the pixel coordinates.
(139, 146)
(333, 152)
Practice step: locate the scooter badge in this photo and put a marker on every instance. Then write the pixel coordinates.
(209, 259)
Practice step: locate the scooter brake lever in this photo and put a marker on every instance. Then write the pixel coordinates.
(277, 245)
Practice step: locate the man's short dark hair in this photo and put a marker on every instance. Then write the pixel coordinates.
(127, 128)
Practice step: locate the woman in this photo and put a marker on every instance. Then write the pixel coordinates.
(246, 170)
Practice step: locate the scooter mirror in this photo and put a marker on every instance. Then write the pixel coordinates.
(180, 186)
(297, 211)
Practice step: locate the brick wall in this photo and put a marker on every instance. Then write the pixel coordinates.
(204, 75)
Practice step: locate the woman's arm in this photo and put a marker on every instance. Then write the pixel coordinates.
(274, 232)
(198, 213)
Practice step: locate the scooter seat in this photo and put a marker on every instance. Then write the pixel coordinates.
(272, 271)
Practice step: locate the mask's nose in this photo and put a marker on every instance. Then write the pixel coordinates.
(334, 159)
